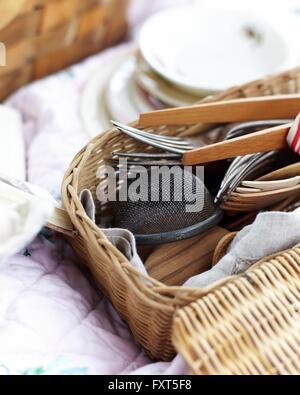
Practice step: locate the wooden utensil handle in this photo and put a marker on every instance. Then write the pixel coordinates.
(262, 141)
(60, 222)
(258, 108)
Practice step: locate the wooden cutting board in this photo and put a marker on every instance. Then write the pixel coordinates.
(174, 263)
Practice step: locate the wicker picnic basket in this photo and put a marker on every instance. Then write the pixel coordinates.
(43, 36)
(249, 325)
(147, 305)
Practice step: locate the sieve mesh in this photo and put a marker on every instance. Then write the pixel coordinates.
(181, 201)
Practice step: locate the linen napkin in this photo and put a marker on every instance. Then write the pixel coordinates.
(270, 233)
(22, 216)
(122, 239)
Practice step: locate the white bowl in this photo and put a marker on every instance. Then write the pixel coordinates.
(204, 50)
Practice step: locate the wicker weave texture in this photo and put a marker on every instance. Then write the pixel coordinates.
(44, 36)
(147, 305)
(250, 325)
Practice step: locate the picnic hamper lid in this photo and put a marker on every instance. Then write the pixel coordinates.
(41, 37)
(9, 10)
(247, 325)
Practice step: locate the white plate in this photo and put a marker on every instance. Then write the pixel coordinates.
(93, 108)
(203, 49)
(161, 89)
(124, 98)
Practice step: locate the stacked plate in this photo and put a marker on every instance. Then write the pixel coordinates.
(126, 87)
(184, 54)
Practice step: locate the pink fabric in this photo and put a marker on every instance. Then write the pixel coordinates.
(53, 320)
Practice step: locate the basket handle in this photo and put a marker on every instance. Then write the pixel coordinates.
(9, 10)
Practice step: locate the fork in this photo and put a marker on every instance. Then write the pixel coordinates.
(241, 167)
(177, 146)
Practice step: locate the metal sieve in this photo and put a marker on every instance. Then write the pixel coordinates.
(159, 213)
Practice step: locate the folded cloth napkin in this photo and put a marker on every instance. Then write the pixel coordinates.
(21, 219)
(270, 233)
(24, 209)
(122, 239)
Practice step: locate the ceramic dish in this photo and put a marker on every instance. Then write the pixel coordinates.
(162, 89)
(124, 98)
(203, 49)
(93, 109)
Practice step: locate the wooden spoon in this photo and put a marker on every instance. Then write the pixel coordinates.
(255, 201)
(289, 171)
(268, 185)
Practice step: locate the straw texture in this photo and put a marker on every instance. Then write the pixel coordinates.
(43, 36)
(250, 325)
(147, 305)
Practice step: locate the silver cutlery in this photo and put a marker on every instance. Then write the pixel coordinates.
(179, 145)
